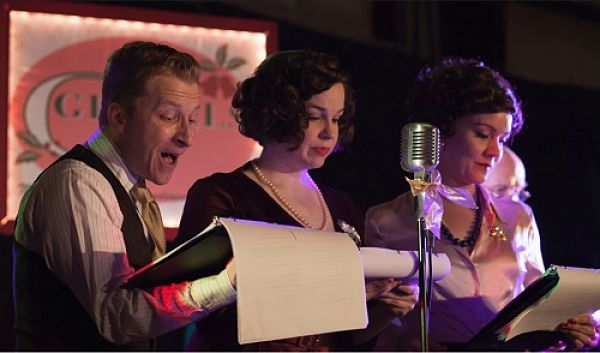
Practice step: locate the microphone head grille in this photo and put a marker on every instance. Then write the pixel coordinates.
(420, 147)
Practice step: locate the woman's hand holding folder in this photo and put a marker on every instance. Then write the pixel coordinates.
(582, 332)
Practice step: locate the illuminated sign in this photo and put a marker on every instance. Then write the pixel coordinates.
(54, 88)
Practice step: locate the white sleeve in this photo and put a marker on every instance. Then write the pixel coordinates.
(534, 263)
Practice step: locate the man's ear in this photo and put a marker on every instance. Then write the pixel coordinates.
(116, 118)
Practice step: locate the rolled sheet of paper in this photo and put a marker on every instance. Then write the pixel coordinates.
(400, 264)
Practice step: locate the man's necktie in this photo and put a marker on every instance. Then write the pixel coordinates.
(151, 217)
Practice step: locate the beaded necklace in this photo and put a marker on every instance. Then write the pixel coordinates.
(263, 179)
(473, 231)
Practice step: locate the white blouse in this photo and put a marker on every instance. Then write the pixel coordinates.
(478, 285)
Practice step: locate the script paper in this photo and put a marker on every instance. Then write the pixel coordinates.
(577, 292)
(388, 263)
(295, 281)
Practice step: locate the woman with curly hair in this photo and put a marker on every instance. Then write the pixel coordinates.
(298, 105)
(494, 249)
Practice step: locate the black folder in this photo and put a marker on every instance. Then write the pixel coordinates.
(492, 334)
(205, 254)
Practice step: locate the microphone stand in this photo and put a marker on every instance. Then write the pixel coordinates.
(420, 146)
(425, 241)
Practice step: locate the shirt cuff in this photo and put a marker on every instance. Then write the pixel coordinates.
(212, 293)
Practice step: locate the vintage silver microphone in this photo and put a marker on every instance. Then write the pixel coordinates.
(420, 154)
(420, 148)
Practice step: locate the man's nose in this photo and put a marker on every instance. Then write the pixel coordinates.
(185, 134)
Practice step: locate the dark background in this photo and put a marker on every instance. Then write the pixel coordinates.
(558, 144)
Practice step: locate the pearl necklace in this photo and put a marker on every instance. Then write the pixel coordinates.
(263, 179)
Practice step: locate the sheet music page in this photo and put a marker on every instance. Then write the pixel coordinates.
(295, 281)
(577, 292)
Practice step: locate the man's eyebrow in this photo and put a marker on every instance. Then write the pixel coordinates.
(175, 104)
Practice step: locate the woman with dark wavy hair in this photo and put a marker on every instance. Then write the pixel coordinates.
(298, 105)
(494, 248)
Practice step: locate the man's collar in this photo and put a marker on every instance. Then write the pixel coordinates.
(101, 144)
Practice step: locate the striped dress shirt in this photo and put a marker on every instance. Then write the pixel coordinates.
(71, 218)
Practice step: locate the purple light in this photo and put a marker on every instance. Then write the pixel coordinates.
(596, 317)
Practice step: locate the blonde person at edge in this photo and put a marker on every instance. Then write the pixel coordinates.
(494, 249)
(85, 224)
(298, 106)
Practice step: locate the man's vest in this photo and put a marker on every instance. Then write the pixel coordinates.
(48, 317)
